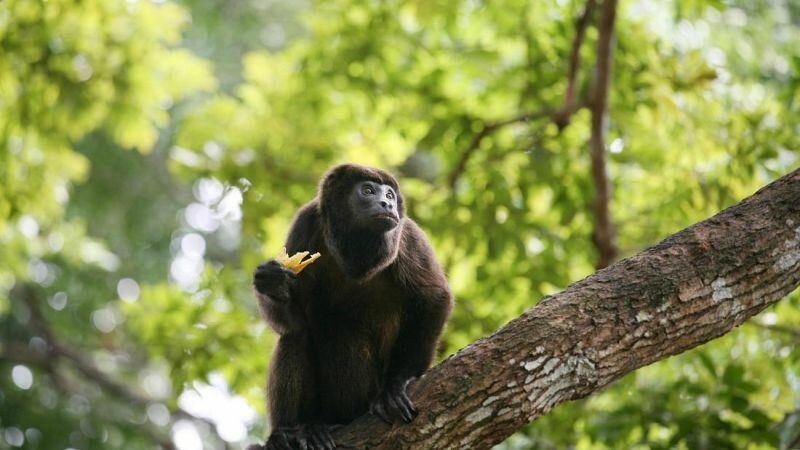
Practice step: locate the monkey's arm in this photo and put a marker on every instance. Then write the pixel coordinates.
(274, 284)
(413, 352)
(279, 298)
(425, 316)
(419, 333)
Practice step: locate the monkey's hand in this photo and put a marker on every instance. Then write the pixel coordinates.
(393, 402)
(273, 280)
(310, 437)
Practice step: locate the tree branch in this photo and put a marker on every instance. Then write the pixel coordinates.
(795, 442)
(691, 288)
(21, 353)
(56, 349)
(562, 118)
(489, 128)
(604, 234)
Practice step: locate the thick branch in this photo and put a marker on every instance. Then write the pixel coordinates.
(691, 288)
(604, 235)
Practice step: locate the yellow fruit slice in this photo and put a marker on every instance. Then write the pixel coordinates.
(295, 262)
(305, 263)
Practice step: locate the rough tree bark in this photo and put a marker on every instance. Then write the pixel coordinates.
(691, 288)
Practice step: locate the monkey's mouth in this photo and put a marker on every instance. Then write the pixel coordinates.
(389, 216)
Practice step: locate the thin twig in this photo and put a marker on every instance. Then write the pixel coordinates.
(486, 130)
(563, 117)
(604, 234)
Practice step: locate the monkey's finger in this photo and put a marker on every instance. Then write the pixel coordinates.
(319, 438)
(283, 442)
(273, 443)
(302, 441)
(392, 407)
(271, 279)
(408, 402)
(383, 413)
(402, 408)
(399, 407)
(378, 410)
(313, 441)
(327, 439)
(323, 439)
(272, 267)
(407, 406)
(272, 264)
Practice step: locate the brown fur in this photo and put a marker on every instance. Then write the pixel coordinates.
(366, 315)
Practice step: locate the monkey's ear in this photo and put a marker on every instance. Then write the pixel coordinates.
(333, 178)
(333, 189)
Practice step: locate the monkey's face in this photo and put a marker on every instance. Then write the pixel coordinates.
(374, 206)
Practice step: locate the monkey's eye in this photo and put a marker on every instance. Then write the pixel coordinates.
(367, 190)
(390, 195)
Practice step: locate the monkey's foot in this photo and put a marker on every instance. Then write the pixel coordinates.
(304, 437)
(393, 403)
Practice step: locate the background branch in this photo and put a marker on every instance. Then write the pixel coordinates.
(562, 118)
(604, 234)
(489, 128)
(59, 350)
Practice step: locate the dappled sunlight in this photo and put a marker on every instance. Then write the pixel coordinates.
(231, 414)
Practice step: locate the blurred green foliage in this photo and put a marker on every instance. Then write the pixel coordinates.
(153, 153)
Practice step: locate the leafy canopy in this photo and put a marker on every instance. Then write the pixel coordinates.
(137, 193)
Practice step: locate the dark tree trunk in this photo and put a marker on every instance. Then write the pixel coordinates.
(691, 288)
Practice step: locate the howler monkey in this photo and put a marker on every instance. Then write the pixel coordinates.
(362, 321)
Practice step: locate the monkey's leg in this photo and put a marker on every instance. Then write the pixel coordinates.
(292, 394)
